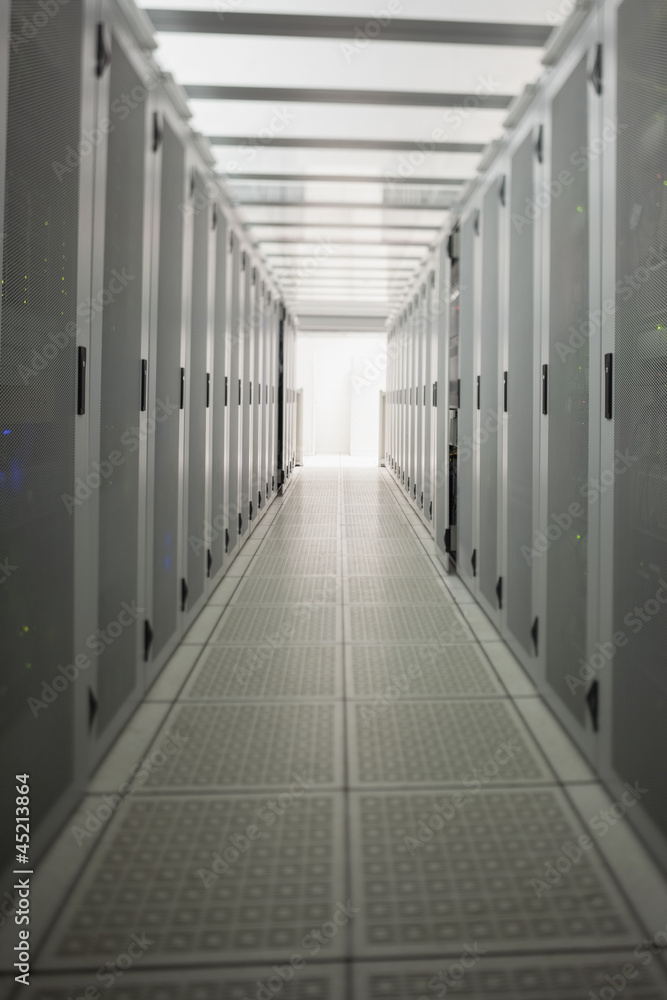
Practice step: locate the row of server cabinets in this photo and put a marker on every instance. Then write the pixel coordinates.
(146, 387)
(553, 410)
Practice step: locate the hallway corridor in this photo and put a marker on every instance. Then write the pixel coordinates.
(345, 787)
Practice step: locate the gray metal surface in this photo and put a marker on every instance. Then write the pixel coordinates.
(490, 416)
(196, 395)
(568, 456)
(640, 492)
(284, 884)
(472, 880)
(220, 395)
(120, 390)
(167, 361)
(408, 672)
(520, 405)
(291, 673)
(466, 534)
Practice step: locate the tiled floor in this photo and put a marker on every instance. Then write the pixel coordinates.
(344, 786)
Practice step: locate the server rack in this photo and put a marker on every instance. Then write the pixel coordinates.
(629, 662)
(246, 374)
(489, 334)
(118, 365)
(522, 385)
(220, 402)
(569, 444)
(234, 395)
(256, 402)
(443, 335)
(168, 324)
(420, 384)
(47, 611)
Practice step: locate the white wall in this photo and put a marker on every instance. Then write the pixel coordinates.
(341, 376)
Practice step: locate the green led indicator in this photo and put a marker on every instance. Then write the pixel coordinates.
(579, 208)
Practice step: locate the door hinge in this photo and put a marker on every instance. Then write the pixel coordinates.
(182, 388)
(240, 390)
(596, 74)
(539, 144)
(535, 635)
(208, 389)
(499, 592)
(430, 511)
(250, 508)
(505, 377)
(435, 393)
(243, 260)
(593, 702)
(240, 523)
(214, 217)
(476, 219)
(545, 389)
(226, 390)
(103, 48)
(250, 396)
(148, 639)
(209, 562)
(184, 593)
(502, 190)
(226, 539)
(479, 392)
(259, 499)
(458, 395)
(473, 561)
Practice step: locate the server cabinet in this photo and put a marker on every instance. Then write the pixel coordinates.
(47, 76)
(569, 453)
(272, 320)
(219, 401)
(429, 376)
(263, 486)
(405, 382)
(166, 362)
(197, 391)
(522, 386)
(257, 396)
(444, 333)
(234, 394)
(120, 301)
(629, 661)
(420, 400)
(248, 333)
(467, 451)
(490, 391)
(412, 403)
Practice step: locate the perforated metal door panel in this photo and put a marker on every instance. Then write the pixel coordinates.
(416, 744)
(520, 408)
(291, 673)
(284, 884)
(196, 461)
(490, 418)
(567, 560)
(165, 611)
(219, 443)
(568, 977)
(640, 404)
(467, 402)
(38, 315)
(317, 982)
(120, 390)
(471, 881)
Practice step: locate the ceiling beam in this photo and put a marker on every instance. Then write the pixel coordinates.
(255, 224)
(383, 205)
(330, 95)
(337, 258)
(438, 182)
(347, 243)
(398, 145)
(327, 26)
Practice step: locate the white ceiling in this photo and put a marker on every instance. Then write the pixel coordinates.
(363, 249)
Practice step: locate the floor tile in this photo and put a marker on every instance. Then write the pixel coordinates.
(230, 746)
(428, 624)
(279, 626)
(396, 672)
